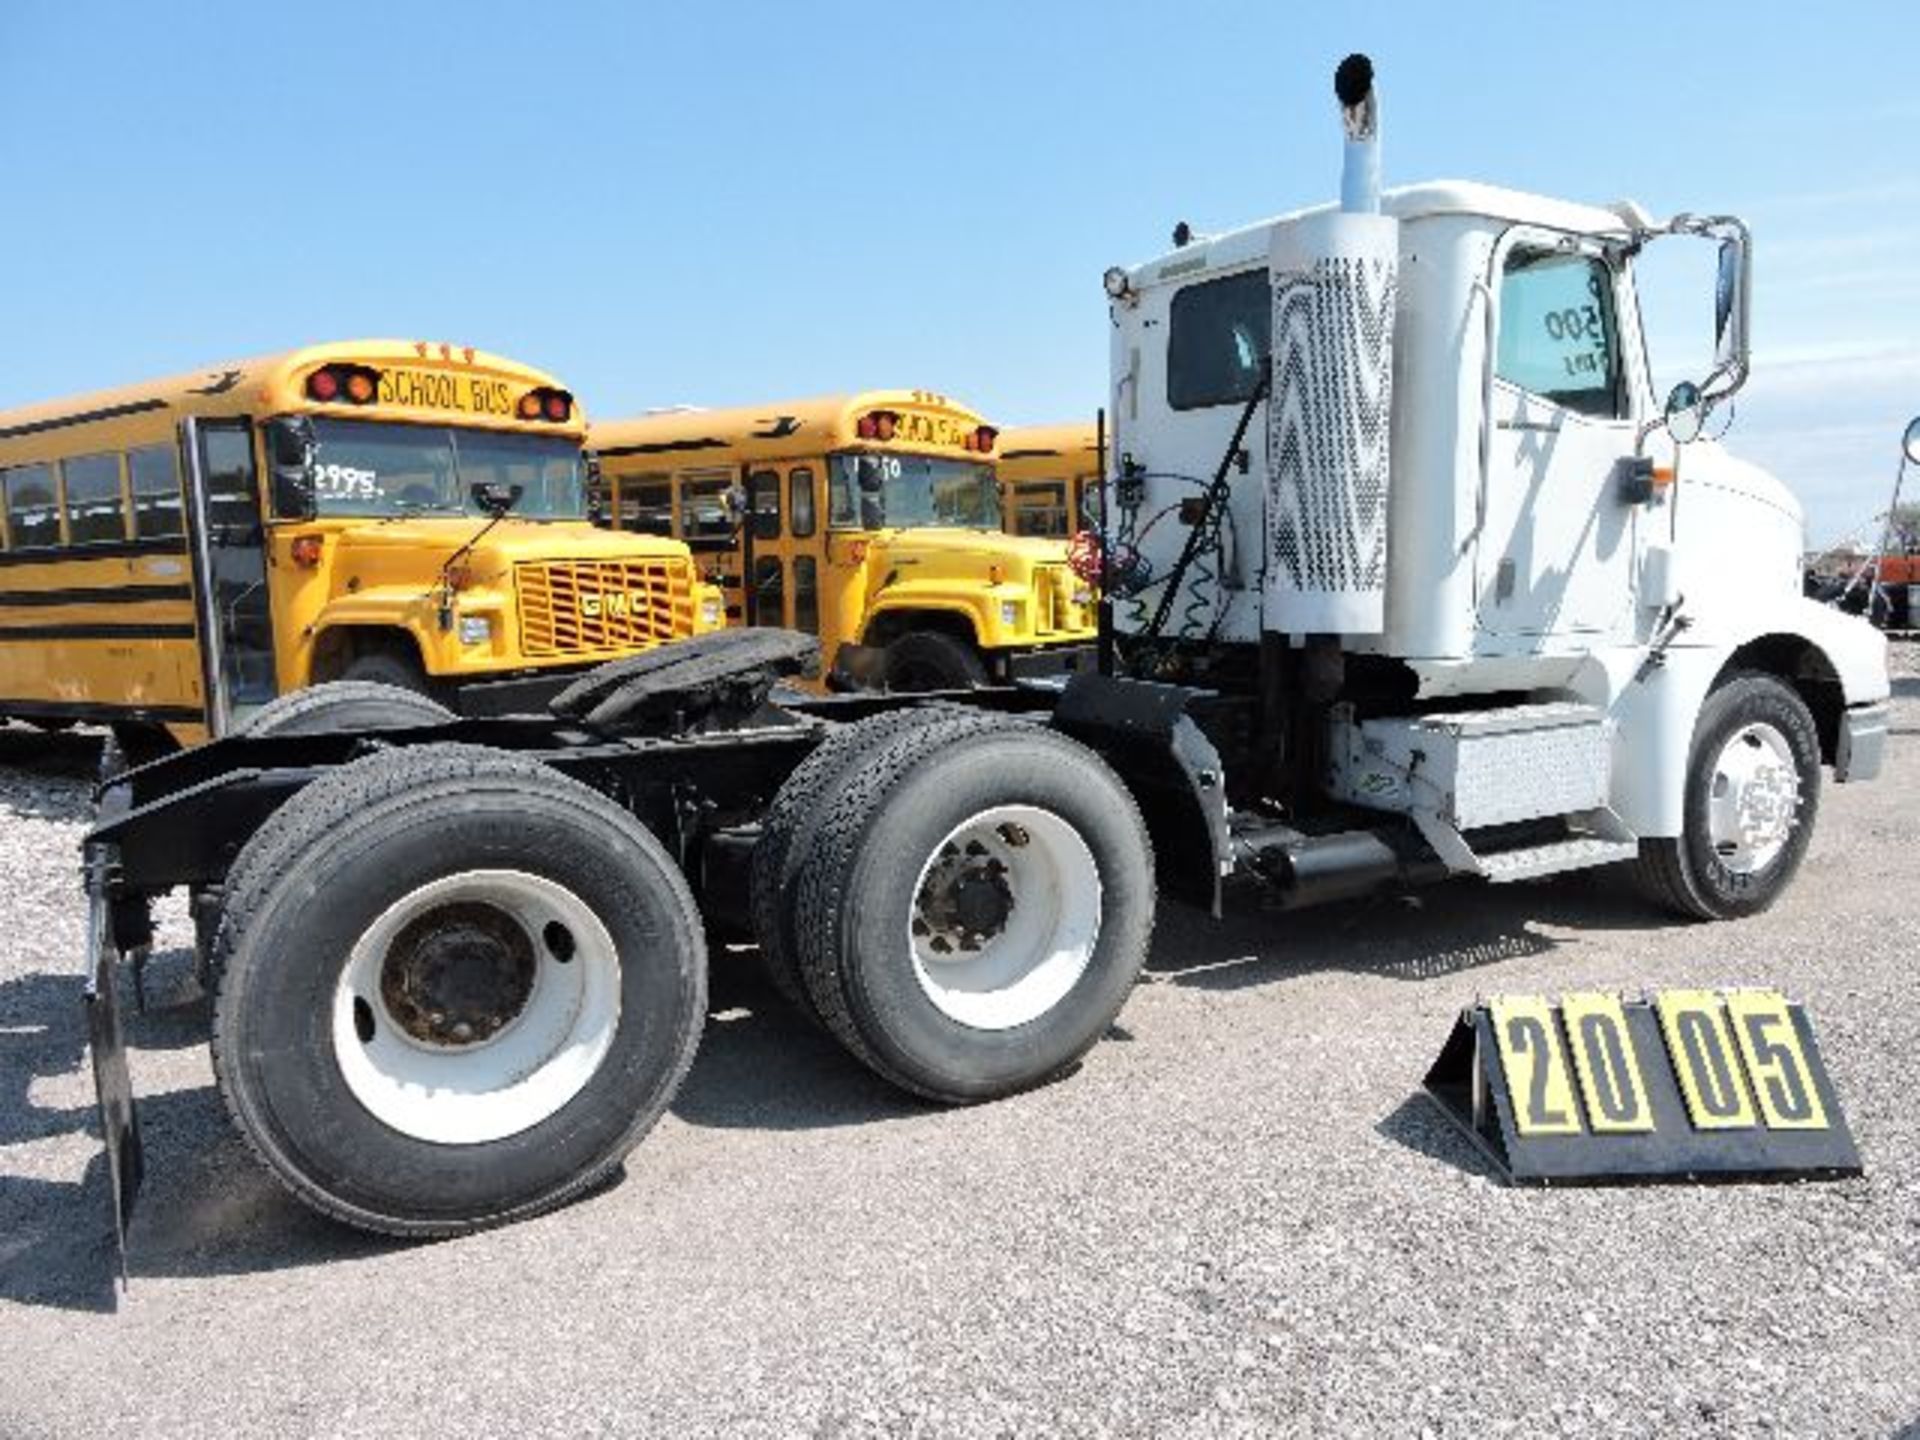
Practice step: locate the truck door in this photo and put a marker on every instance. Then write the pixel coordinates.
(1556, 540)
(229, 570)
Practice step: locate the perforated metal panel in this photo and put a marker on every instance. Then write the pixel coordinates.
(1335, 283)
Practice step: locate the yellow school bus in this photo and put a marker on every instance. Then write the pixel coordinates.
(870, 520)
(176, 553)
(1050, 479)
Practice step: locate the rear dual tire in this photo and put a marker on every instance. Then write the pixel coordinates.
(493, 996)
(971, 907)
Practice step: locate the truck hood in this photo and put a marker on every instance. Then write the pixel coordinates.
(1709, 464)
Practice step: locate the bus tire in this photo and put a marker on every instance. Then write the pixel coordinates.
(1752, 795)
(932, 660)
(975, 910)
(391, 668)
(791, 821)
(456, 988)
(337, 707)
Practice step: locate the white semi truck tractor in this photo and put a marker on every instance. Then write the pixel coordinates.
(1396, 466)
(1407, 574)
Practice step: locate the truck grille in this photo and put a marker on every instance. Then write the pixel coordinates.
(582, 607)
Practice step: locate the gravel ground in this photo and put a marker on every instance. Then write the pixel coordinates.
(1237, 1218)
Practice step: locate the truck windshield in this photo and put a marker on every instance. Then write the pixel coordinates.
(383, 470)
(875, 492)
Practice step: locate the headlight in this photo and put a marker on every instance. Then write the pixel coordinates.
(476, 629)
(713, 611)
(1083, 598)
(1010, 612)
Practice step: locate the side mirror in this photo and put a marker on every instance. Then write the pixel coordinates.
(1686, 412)
(494, 498)
(1910, 442)
(1729, 305)
(294, 452)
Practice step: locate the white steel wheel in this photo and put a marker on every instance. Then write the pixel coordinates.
(476, 1006)
(1005, 916)
(1753, 798)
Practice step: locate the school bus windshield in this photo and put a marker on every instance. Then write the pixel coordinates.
(378, 469)
(910, 492)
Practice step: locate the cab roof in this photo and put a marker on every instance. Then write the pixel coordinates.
(1411, 202)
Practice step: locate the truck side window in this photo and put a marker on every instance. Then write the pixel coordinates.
(1558, 336)
(1218, 335)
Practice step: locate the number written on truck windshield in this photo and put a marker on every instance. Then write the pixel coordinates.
(1557, 333)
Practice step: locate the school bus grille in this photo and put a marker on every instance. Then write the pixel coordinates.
(1054, 612)
(579, 607)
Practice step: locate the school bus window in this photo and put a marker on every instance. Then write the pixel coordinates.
(233, 512)
(769, 601)
(155, 475)
(911, 492)
(704, 521)
(646, 504)
(380, 470)
(806, 594)
(96, 510)
(763, 493)
(33, 519)
(800, 505)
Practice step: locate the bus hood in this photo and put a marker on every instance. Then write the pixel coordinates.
(987, 546)
(509, 541)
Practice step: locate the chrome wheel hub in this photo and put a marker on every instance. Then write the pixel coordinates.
(1753, 799)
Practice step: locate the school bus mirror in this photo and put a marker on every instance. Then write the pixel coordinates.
(494, 498)
(295, 452)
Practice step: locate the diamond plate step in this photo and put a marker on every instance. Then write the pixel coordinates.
(1531, 861)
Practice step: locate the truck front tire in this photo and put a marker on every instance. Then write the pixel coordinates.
(1752, 795)
(492, 997)
(975, 910)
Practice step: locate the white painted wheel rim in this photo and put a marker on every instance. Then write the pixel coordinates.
(1753, 798)
(519, 1075)
(1018, 967)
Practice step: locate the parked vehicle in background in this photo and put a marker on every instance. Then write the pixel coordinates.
(178, 553)
(1050, 479)
(871, 521)
(1883, 585)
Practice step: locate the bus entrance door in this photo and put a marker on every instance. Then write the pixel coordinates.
(229, 571)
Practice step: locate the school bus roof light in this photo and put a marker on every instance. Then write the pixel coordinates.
(981, 439)
(877, 425)
(546, 403)
(355, 384)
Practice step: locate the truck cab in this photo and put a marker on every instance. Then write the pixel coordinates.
(1407, 451)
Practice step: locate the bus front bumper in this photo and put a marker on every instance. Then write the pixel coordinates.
(1053, 660)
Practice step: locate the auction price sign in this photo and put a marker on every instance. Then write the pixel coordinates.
(1684, 1084)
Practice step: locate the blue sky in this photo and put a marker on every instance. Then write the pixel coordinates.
(731, 203)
